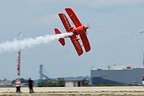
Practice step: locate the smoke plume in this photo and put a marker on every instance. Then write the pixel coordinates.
(29, 42)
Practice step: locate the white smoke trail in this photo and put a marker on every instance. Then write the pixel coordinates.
(30, 42)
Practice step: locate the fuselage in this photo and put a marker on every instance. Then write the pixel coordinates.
(80, 29)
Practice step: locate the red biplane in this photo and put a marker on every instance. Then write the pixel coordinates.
(78, 30)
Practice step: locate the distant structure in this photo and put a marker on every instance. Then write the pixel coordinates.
(42, 74)
(73, 83)
(117, 75)
(5, 83)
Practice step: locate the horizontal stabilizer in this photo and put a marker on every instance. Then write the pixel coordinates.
(61, 40)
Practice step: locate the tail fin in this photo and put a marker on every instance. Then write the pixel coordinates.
(61, 40)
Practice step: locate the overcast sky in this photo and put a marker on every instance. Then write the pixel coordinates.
(114, 36)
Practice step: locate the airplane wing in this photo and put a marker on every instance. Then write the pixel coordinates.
(85, 42)
(77, 23)
(73, 17)
(65, 22)
(77, 45)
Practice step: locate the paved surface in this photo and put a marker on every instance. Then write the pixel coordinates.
(96, 91)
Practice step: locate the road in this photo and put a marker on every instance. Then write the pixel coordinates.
(80, 91)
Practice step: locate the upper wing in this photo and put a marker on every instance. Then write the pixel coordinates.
(76, 45)
(73, 17)
(85, 41)
(65, 22)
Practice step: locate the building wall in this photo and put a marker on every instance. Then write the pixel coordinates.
(73, 83)
(128, 76)
(69, 84)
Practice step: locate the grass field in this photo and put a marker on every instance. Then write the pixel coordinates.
(76, 91)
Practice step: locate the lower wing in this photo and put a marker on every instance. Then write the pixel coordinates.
(65, 22)
(77, 45)
(85, 42)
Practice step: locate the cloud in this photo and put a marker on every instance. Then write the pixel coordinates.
(52, 18)
(108, 3)
(117, 2)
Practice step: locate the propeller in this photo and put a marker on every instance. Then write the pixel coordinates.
(85, 28)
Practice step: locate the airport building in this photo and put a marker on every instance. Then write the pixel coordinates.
(117, 75)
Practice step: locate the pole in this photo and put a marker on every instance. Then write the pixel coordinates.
(19, 57)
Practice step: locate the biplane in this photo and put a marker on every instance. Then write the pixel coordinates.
(78, 30)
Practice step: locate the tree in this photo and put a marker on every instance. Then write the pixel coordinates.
(52, 83)
(85, 82)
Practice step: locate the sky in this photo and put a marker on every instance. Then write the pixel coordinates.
(114, 27)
